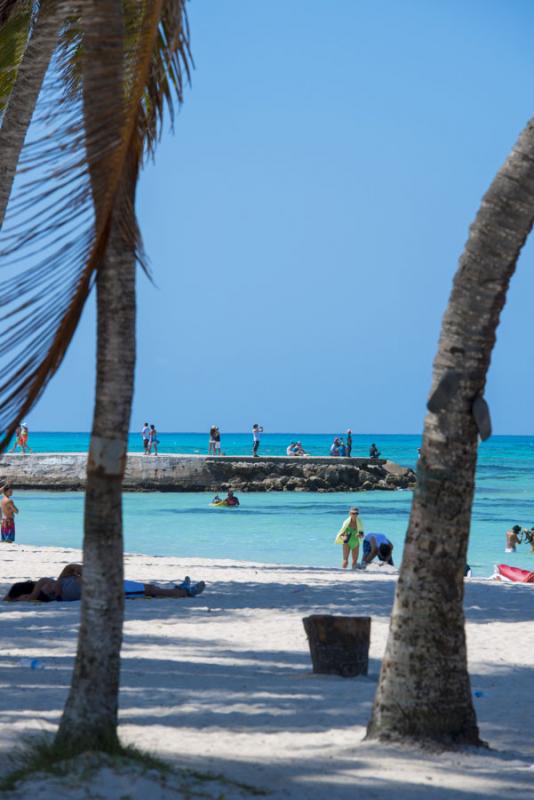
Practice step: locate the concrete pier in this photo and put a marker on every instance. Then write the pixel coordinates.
(195, 473)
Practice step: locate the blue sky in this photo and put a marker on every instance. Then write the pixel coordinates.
(305, 219)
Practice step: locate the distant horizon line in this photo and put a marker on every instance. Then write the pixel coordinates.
(271, 433)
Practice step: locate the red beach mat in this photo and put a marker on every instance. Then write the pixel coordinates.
(515, 574)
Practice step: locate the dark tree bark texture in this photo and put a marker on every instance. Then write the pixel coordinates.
(424, 691)
(90, 717)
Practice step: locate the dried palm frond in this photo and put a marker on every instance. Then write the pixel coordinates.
(81, 148)
(15, 27)
(6, 9)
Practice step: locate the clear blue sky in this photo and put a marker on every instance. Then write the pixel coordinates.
(305, 219)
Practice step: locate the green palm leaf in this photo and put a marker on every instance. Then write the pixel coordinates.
(59, 217)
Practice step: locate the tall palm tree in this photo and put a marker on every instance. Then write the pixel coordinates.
(108, 113)
(424, 689)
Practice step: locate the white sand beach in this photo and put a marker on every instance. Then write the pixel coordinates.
(223, 682)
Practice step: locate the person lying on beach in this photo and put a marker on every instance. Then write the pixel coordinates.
(512, 539)
(68, 587)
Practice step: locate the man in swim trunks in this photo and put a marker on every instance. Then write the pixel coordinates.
(8, 511)
(349, 536)
(68, 587)
(512, 539)
(377, 545)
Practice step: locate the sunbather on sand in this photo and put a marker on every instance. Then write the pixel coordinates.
(68, 586)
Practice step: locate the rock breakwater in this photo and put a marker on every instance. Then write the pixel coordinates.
(190, 473)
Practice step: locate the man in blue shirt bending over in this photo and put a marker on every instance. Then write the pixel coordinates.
(377, 545)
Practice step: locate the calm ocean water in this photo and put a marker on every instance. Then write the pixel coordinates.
(285, 527)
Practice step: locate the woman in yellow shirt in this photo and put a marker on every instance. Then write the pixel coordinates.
(349, 537)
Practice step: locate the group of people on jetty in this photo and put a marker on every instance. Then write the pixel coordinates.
(340, 447)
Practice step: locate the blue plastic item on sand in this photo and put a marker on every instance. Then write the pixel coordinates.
(32, 663)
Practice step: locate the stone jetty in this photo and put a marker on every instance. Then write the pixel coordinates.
(194, 473)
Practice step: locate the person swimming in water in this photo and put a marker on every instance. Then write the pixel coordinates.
(513, 539)
(231, 499)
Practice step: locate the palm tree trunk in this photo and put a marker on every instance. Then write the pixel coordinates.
(424, 690)
(90, 717)
(18, 113)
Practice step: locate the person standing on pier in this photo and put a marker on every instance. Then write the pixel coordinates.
(215, 441)
(348, 445)
(153, 440)
(145, 433)
(23, 439)
(257, 431)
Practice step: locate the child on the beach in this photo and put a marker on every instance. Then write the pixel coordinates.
(9, 509)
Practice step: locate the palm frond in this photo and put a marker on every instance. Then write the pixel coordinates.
(69, 177)
(15, 27)
(6, 9)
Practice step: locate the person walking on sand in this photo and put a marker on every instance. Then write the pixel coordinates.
(257, 431)
(145, 434)
(153, 440)
(349, 536)
(9, 509)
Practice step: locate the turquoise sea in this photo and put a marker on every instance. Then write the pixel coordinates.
(285, 527)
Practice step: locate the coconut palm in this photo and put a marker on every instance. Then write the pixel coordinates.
(105, 116)
(424, 690)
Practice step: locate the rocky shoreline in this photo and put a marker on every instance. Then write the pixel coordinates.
(190, 473)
